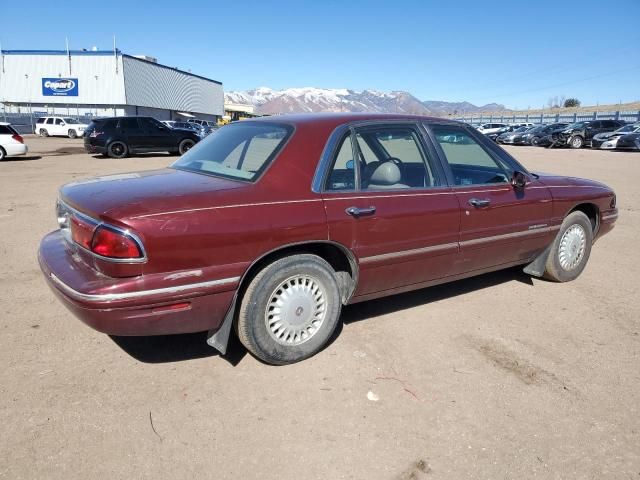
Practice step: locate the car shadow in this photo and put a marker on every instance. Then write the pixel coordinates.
(22, 159)
(192, 346)
(178, 348)
(382, 306)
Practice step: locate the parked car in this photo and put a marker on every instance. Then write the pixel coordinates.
(544, 137)
(508, 136)
(59, 126)
(579, 134)
(270, 226)
(609, 140)
(524, 138)
(119, 137)
(491, 127)
(207, 123)
(11, 142)
(630, 141)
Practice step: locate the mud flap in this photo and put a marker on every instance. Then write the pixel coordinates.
(537, 267)
(219, 339)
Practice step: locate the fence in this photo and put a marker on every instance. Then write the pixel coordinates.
(552, 117)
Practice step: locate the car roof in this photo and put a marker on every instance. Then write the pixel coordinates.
(336, 119)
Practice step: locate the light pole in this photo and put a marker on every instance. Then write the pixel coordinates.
(96, 94)
(26, 77)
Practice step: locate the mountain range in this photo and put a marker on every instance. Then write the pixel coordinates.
(311, 99)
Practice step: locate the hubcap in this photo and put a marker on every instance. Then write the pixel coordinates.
(296, 310)
(577, 142)
(571, 248)
(117, 149)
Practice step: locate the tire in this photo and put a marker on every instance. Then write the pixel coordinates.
(575, 235)
(73, 134)
(535, 141)
(576, 141)
(3, 154)
(117, 149)
(185, 146)
(43, 132)
(310, 276)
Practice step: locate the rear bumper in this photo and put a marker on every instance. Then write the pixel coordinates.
(15, 149)
(112, 306)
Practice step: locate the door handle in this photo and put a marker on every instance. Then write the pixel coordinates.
(356, 212)
(479, 202)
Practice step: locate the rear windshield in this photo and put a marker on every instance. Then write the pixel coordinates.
(241, 151)
(7, 130)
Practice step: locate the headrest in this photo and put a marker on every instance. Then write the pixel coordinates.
(386, 173)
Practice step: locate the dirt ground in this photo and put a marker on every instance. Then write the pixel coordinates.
(497, 377)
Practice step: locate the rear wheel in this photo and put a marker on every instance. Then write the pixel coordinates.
(117, 149)
(44, 132)
(289, 310)
(185, 146)
(576, 142)
(571, 248)
(73, 134)
(535, 141)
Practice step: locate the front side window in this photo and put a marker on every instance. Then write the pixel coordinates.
(470, 163)
(239, 151)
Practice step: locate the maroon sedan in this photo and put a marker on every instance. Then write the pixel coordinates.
(272, 225)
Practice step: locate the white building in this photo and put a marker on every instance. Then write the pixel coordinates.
(103, 83)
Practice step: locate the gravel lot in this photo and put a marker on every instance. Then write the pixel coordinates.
(500, 376)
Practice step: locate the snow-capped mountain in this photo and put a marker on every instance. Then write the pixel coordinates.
(310, 99)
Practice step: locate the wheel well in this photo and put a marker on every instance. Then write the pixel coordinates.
(338, 257)
(591, 211)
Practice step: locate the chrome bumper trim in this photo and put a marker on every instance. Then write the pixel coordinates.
(110, 297)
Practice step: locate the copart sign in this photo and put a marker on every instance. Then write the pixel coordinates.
(60, 87)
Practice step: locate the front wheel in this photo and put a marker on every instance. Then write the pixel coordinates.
(571, 248)
(576, 142)
(535, 141)
(185, 146)
(289, 310)
(72, 134)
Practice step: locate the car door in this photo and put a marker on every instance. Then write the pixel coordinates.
(58, 127)
(499, 224)
(131, 133)
(386, 200)
(50, 126)
(157, 136)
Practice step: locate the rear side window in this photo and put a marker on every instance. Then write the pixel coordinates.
(49, 121)
(6, 130)
(40, 120)
(240, 151)
(470, 163)
(129, 124)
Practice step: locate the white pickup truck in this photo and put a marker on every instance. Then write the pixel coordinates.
(59, 126)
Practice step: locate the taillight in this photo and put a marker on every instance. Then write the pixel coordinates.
(82, 231)
(113, 243)
(18, 138)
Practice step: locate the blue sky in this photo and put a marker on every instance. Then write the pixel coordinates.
(516, 53)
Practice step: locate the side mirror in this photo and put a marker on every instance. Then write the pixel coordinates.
(519, 179)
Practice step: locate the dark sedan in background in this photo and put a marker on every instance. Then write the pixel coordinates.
(579, 134)
(611, 140)
(545, 138)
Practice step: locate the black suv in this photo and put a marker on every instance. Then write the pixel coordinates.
(580, 134)
(119, 137)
